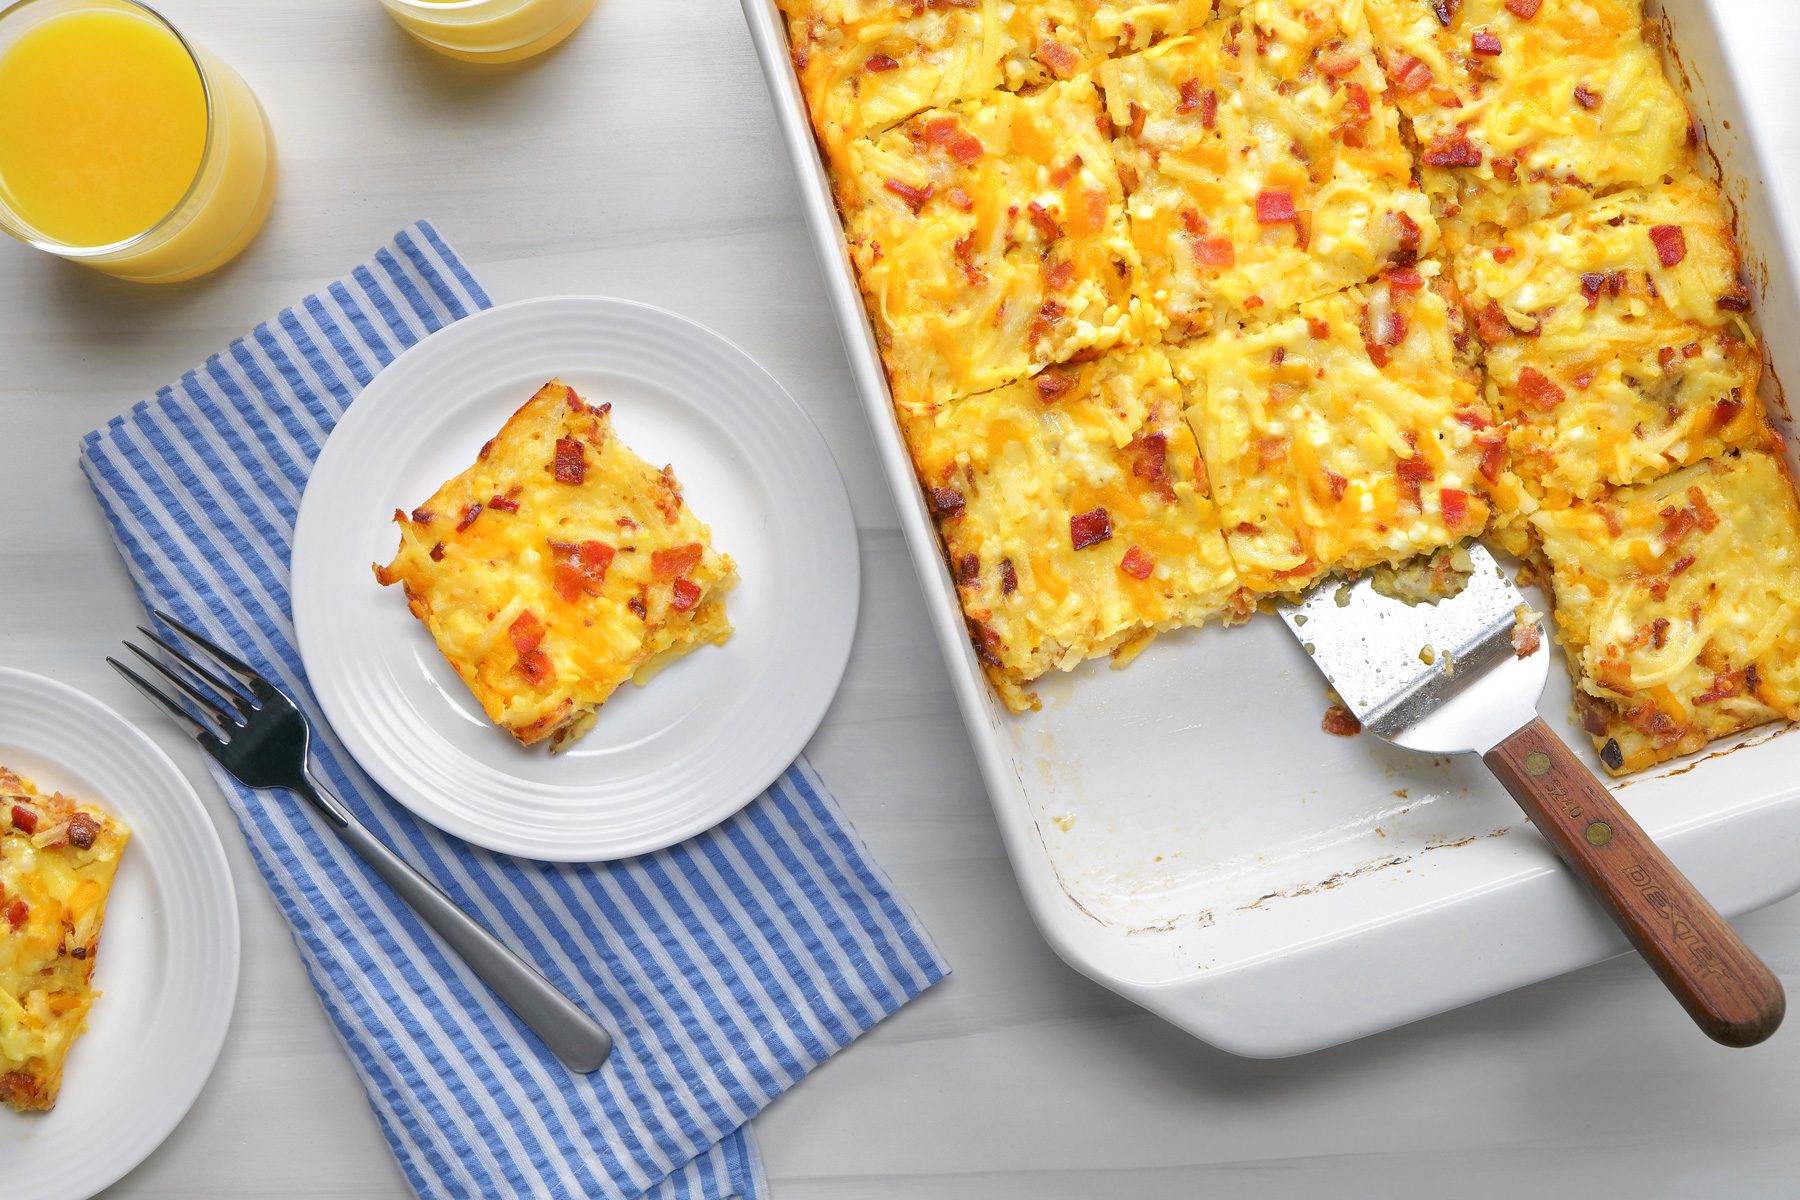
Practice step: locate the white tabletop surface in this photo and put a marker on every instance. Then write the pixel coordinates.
(642, 161)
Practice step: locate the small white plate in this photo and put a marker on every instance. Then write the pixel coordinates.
(168, 963)
(705, 736)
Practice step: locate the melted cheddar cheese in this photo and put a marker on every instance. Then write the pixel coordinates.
(1075, 511)
(1679, 604)
(1262, 164)
(866, 65)
(57, 859)
(1348, 434)
(1617, 338)
(990, 240)
(557, 567)
(1519, 116)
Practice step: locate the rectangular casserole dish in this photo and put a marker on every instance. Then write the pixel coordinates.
(1184, 833)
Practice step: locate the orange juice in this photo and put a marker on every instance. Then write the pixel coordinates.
(490, 30)
(121, 146)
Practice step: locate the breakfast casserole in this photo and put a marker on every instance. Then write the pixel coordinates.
(557, 567)
(1074, 508)
(1346, 434)
(1263, 166)
(1678, 601)
(57, 859)
(1375, 276)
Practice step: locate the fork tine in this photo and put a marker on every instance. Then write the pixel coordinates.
(225, 720)
(225, 658)
(181, 715)
(226, 690)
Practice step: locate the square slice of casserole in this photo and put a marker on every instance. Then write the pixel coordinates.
(1678, 602)
(1524, 108)
(57, 859)
(1618, 339)
(1348, 434)
(990, 241)
(557, 567)
(1262, 164)
(1075, 513)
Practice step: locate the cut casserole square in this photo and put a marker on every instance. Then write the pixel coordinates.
(1678, 601)
(1075, 514)
(1618, 340)
(1348, 434)
(57, 861)
(1262, 165)
(1523, 108)
(557, 567)
(990, 241)
(866, 65)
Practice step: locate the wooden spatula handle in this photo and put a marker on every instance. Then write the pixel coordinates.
(1728, 991)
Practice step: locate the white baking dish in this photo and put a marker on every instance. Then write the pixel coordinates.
(1186, 835)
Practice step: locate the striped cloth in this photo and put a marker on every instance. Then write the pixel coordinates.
(728, 966)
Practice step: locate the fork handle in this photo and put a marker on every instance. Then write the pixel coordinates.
(1725, 987)
(573, 1036)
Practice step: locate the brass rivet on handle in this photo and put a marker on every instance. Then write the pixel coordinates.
(1537, 763)
(1598, 833)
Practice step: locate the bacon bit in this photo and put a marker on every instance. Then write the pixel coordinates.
(1583, 380)
(1340, 722)
(1492, 325)
(1504, 254)
(1338, 63)
(1271, 451)
(1485, 42)
(1045, 319)
(1275, 206)
(1134, 127)
(1190, 96)
(1681, 564)
(568, 581)
(1493, 456)
(1337, 483)
(1455, 503)
(1062, 61)
(1540, 389)
(915, 197)
(1409, 75)
(1150, 462)
(526, 631)
(956, 141)
(468, 517)
(946, 500)
(1586, 97)
(16, 912)
(636, 605)
(83, 829)
(1053, 386)
(1671, 244)
(1736, 300)
(437, 552)
(571, 461)
(1253, 302)
(1209, 108)
(1403, 279)
(504, 504)
(424, 516)
(594, 558)
(537, 668)
(1214, 251)
(24, 819)
(1009, 578)
(1137, 564)
(1703, 512)
(1411, 238)
(1725, 411)
(1677, 524)
(678, 560)
(1044, 221)
(1318, 328)
(1090, 528)
(1665, 358)
(962, 200)
(1659, 632)
(1452, 149)
(687, 594)
(877, 63)
(1593, 283)
(1726, 684)
(964, 248)
(1058, 275)
(1445, 11)
(1066, 172)
(1359, 102)
(1412, 472)
(1524, 9)
(1471, 419)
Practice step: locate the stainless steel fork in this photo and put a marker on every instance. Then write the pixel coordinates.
(258, 734)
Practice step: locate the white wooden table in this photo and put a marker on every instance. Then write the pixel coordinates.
(641, 161)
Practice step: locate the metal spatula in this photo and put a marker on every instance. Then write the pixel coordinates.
(1463, 675)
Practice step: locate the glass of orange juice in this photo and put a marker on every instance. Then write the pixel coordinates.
(494, 31)
(123, 146)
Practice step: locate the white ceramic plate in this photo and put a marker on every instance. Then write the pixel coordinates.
(708, 733)
(168, 963)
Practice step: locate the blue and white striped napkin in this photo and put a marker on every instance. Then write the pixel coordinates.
(728, 967)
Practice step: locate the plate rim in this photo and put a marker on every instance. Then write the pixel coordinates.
(492, 836)
(211, 851)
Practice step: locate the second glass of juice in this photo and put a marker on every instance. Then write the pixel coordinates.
(494, 31)
(123, 146)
